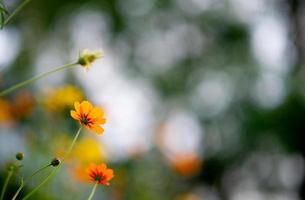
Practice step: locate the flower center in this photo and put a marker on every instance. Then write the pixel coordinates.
(99, 177)
(84, 120)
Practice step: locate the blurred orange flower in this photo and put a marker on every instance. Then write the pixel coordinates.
(95, 173)
(186, 165)
(23, 105)
(20, 107)
(5, 111)
(89, 116)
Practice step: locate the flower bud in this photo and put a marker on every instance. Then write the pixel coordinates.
(19, 156)
(55, 162)
(87, 57)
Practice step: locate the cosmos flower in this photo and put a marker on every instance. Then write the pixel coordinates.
(87, 57)
(89, 116)
(99, 174)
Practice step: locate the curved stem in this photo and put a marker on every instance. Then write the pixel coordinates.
(26, 180)
(93, 191)
(35, 78)
(53, 173)
(16, 11)
(9, 175)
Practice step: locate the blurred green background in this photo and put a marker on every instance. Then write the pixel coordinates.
(204, 99)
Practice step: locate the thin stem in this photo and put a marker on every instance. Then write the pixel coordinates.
(37, 171)
(16, 11)
(35, 78)
(93, 191)
(53, 173)
(19, 189)
(23, 182)
(9, 175)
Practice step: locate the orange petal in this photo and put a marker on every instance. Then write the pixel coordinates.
(74, 115)
(96, 112)
(109, 174)
(86, 107)
(99, 121)
(97, 129)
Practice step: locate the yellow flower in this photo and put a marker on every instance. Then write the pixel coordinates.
(61, 98)
(87, 57)
(87, 150)
(89, 116)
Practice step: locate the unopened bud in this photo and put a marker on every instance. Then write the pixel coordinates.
(19, 156)
(87, 57)
(55, 162)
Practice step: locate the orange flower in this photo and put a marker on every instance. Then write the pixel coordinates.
(89, 116)
(96, 173)
(187, 165)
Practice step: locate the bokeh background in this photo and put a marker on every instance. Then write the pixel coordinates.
(204, 99)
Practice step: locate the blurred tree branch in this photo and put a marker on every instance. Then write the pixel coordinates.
(296, 14)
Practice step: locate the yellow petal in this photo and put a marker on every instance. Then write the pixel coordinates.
(86, 107)
(77, 107)
(74, 115)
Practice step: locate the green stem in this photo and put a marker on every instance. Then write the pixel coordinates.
(9, 175)
(16, 11)
(53, 173)
(93, 191)
(35, 78)
(19, 189)
(26, 180)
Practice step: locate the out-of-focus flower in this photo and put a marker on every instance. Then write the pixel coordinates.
(186, 165)
(86, 151)
(23, 104)
(5, 111)
(61, 98)
(87, 57)
(96, 173)
(60, 143)
(19, 107)
(89, 116)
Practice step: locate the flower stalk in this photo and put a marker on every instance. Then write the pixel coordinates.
(57, 168)
(93, 191)
(35, 78)
(23, 182)
(9, 175)
(16, 11)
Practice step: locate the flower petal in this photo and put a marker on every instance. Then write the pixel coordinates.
(74, 115)
(99, 121)
(96, 112)
(77, 107)
(97, 129)
(86, 107)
